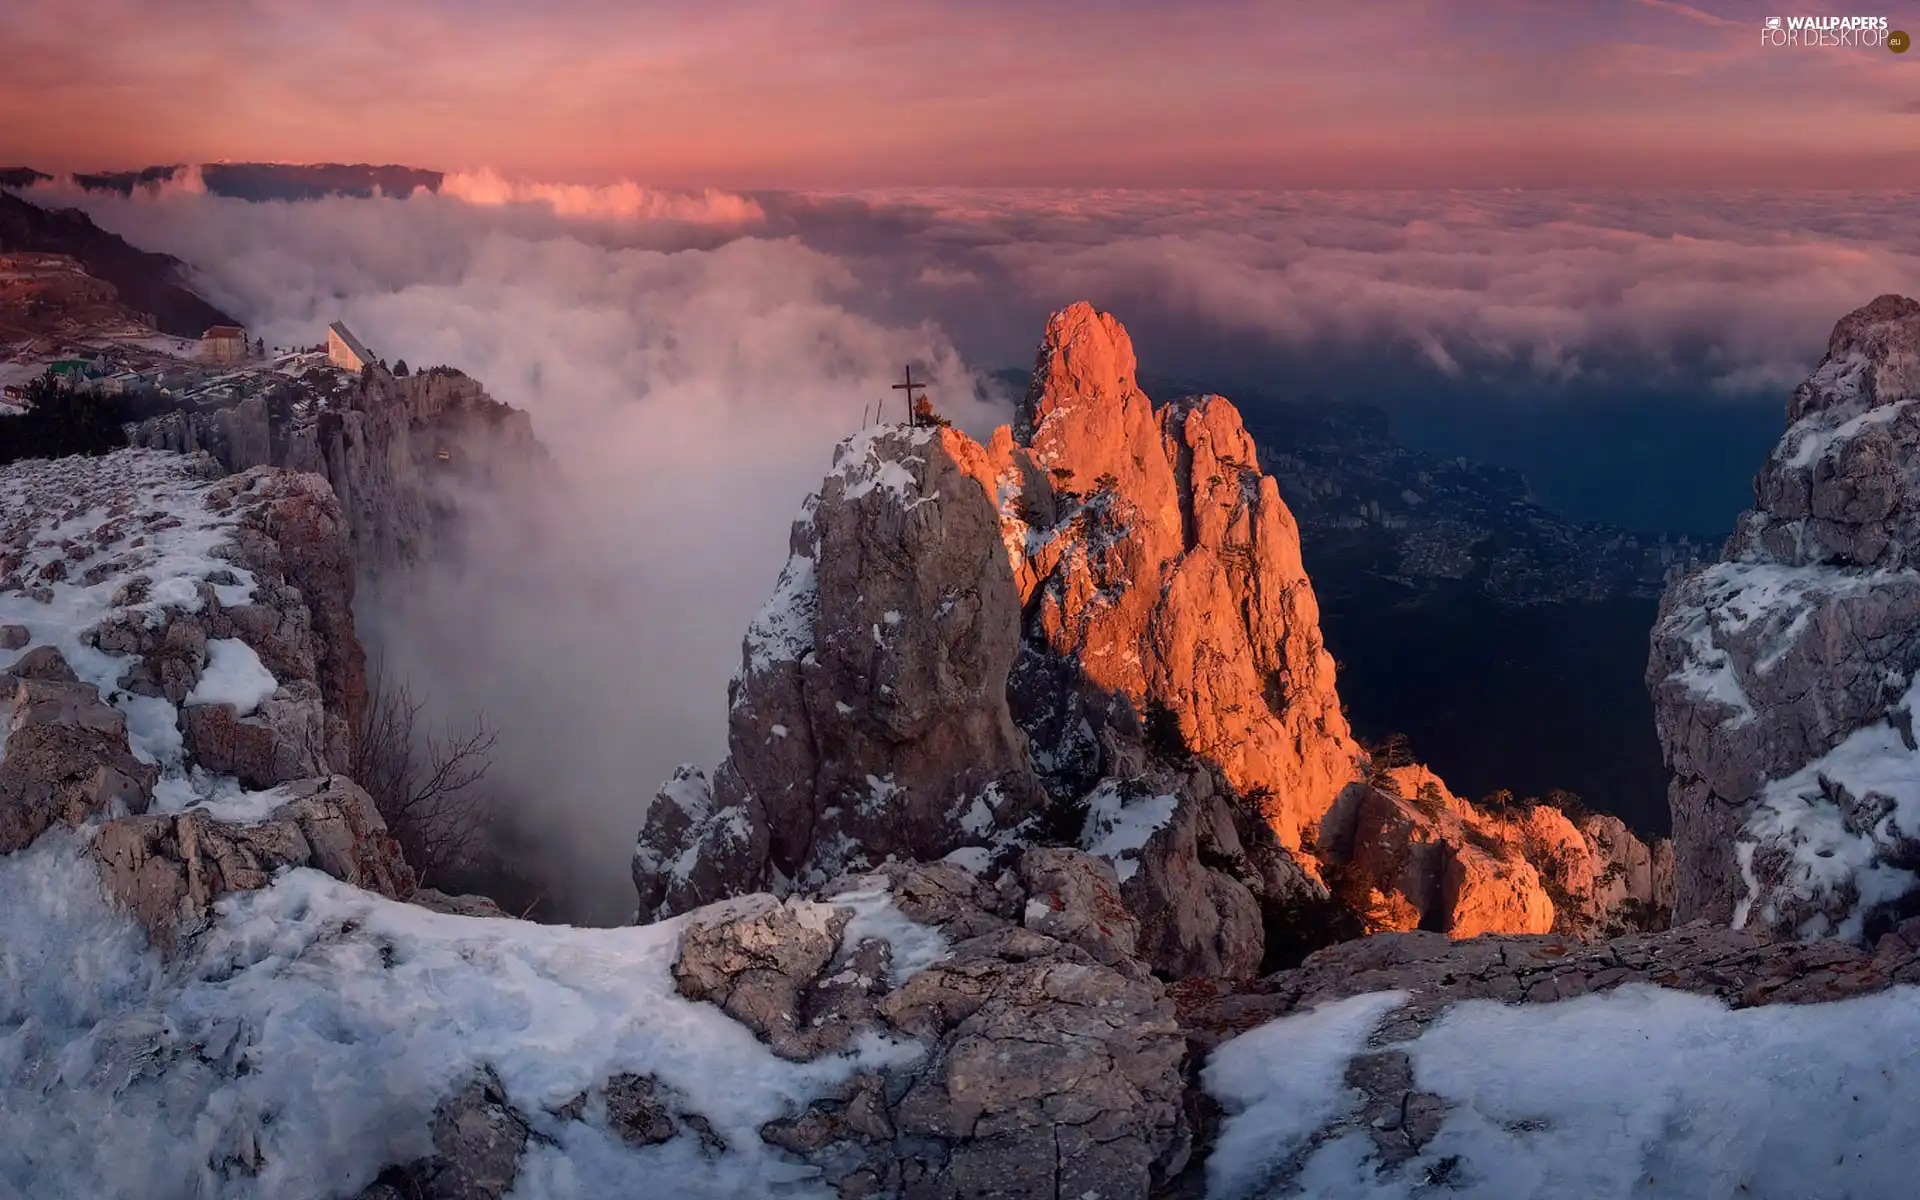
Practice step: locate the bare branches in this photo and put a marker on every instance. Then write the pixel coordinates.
(425, 784)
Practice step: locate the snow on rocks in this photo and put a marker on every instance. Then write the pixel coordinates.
(243, 1069)
(234, 676)
(902, 1034)
(1699, 1061)
(168, 869)
(1830, 845)
(214, 613)
(1637, 1092)
(1028, 1061)
(869, 718)
(1120, 822)
(1781, 676)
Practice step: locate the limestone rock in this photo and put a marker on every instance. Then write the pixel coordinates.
(1075, 898)
(401, 453)
(456, 906)
(755, 959)
(1210, 883)
(285, 739)
(1735, 966)
(168, 869)
(1406, 853)
(974, 649)
(870, 716)
(1783, 675)
(1046, 1071)
(41, 662)
(1162, 565)
(66, 759)
(478, 1138)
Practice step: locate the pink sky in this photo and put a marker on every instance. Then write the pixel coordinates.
(834, 93)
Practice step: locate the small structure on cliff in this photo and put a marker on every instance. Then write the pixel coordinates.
(345, 350)
(223, 344)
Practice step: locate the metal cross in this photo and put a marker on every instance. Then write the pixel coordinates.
(909, 386)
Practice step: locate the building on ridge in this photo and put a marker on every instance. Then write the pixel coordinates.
(345, 350)
(224, 344)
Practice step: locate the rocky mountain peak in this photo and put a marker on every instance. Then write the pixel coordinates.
(1157, 563)
(1085, 358)
(1096, 629)
(1783, 677)
(1873, 358)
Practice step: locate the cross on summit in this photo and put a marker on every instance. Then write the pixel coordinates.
(914, 411)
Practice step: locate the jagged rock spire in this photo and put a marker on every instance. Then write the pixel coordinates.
(1784, 676)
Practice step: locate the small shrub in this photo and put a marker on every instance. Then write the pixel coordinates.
(1430, 801)
(427, 786)
(1393, 752)
(1164, 737)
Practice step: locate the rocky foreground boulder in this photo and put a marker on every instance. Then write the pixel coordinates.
(1093, 630)
(1783, 676)
(1052, 1063)
(1035, 1055)
(66, 758)
(168, 869)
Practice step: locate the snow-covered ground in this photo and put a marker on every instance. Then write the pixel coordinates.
(109, 504)
(1639, 1092)
(306, 1042)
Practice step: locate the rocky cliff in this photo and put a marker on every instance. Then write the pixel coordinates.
(1096, 630)
(406, 455)
(1784, 675)
(149, 283)
(177, 651)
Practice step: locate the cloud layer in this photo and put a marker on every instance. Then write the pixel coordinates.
(691, 358)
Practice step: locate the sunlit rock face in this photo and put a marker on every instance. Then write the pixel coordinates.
(1094, 629)
(1783, 675)
(1157, 559)
(1405, 853)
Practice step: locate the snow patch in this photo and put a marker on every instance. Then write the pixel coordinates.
(234, 675)
(974, 860)
(317, 1026)
(1281, 1082)
(1838, 848)
(1119, 826)
(915, 947)
(783, 630)
(1637, 1092)
(875, 460)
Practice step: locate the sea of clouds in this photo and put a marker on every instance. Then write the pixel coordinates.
(691, 359)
